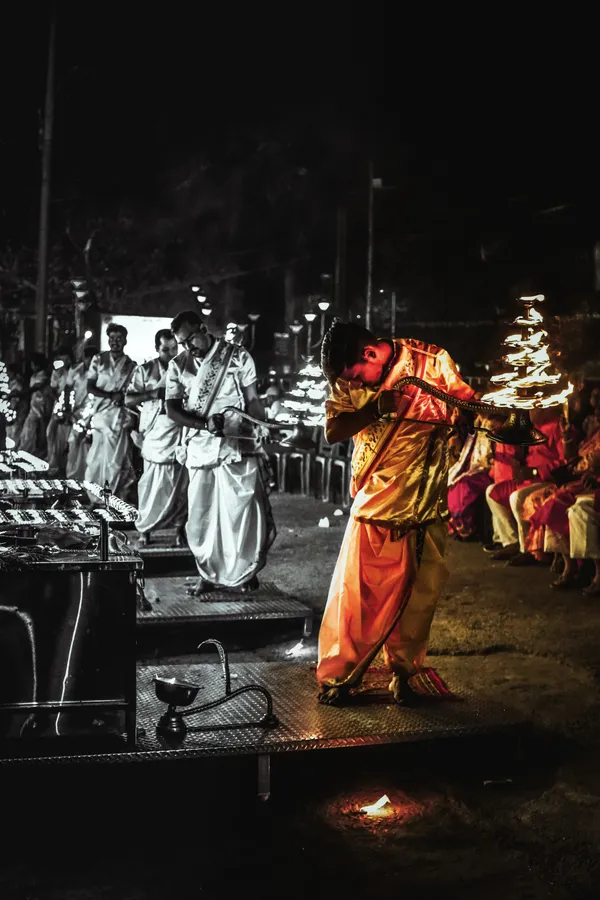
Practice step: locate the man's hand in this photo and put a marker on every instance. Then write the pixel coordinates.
(389, 402)
(216, 423)
(117, 398)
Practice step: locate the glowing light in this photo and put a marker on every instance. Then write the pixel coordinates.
(58, 364)
(310, 317)
(531, 384)
(87, 335)
(377, 807)
(10, 444)
(323, 305)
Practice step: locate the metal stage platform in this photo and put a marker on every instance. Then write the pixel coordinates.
(172, 606)
(161, 546)
(371, 719)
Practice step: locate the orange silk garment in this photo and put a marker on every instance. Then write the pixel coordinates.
(379, 597)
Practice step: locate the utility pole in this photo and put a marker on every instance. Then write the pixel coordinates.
(370, 251)
(340, 263)
(393, 314)
(41, 300)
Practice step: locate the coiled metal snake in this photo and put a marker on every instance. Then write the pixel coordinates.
(476, 406)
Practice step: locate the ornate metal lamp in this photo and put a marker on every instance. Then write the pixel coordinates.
(532, 383)
(176, 694)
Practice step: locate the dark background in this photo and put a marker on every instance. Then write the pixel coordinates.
(202, 141)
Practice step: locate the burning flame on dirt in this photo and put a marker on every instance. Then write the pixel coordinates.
(376, 808)
(529, 384)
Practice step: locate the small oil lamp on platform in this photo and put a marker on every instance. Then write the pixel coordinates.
(532, 383)
(180, 693)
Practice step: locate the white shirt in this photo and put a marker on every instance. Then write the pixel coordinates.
(203, 448)
(161, 434)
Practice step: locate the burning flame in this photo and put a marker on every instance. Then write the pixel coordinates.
(377, 807)
(526, 387)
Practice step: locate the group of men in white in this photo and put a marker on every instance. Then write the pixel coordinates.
(204, 472)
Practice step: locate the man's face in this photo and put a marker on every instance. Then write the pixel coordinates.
(167, 349)
(116, 341)
(191, 338)
(369, 369)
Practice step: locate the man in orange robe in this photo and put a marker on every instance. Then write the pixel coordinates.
(390, 570)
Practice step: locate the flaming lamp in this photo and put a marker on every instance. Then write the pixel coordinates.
(532, 382)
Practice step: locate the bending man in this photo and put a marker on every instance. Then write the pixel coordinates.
(390, 570)
(229, 527)
(162, 487)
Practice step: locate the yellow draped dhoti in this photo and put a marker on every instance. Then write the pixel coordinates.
(390, 571)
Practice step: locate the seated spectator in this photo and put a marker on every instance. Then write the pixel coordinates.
(553, 514)
(584, 536)
(581, 422)
(505, 498)
(468, 480)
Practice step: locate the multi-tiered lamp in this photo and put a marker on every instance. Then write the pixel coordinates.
(532, 382)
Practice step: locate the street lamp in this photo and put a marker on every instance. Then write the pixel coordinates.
(80, 292)
(254, 317)
(243, 328)
(88, 335)
(310, 318)
(296, 328)
(206, 308)
(323, 306)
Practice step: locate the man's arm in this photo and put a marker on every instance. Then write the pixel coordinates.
(180, 416)
(345, 425)
(254, 406)
(139, 392)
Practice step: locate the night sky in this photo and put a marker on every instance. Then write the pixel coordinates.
(473, 123)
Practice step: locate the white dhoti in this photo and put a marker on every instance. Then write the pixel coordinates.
(77, 455)
(584, 528)
(163, 485)
(161, 496)
(229, 528)
(109, 457)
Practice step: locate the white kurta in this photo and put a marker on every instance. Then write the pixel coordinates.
(109, 457)
(162, 487)
(78, 444)
(230, 527)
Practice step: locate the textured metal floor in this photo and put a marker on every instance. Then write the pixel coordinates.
(161, 545)
(304, 724)
(172, 606)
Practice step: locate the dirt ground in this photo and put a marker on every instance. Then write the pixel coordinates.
(468, 820)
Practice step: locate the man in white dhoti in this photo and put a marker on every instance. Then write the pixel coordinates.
(230, 527)
(80, 406)
(57, 433)
(162, 495)
(109, 457)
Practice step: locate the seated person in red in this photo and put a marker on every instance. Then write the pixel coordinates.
(468, 480)
(505, 498)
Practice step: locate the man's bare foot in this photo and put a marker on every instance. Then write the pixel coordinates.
(565, 582)
(593, 589)
(558, 564)
(401, 691)
(144, 539)
(180, 540)
(522, 559)
(252, 585)
(507, 552)
(201, 587)
(334, 696)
